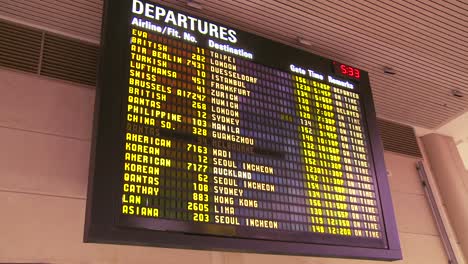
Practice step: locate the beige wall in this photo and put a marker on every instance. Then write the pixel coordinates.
(45, 130)
(452, 179)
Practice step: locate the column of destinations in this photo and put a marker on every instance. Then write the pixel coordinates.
(232, 178)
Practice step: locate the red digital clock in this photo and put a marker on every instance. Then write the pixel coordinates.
(346, 70)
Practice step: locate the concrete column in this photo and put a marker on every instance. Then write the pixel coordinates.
(452, 181)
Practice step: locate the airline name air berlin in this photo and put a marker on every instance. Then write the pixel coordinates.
(166, 16)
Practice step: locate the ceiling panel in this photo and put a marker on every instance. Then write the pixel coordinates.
(424, 41)
(80, 19)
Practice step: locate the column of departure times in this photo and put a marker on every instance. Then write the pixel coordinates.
(337, 221)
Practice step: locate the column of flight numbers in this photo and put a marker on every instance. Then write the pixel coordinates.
(144, 147)
(356, 161)
(187, 188)
(199, 204)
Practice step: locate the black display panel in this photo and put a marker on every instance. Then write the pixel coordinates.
(208, 137)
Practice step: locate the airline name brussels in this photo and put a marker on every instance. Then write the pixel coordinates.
(167, 16)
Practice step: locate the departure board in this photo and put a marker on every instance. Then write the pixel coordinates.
(208, 137)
